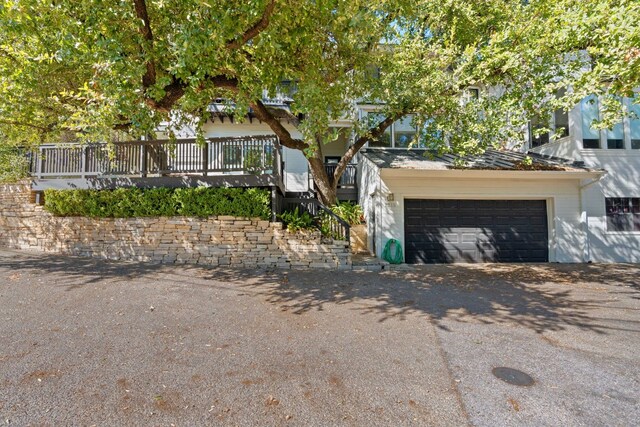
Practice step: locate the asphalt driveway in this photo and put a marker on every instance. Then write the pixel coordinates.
(87, 342)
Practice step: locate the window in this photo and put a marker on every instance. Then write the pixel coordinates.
(623, 213)
(558, 123)
(589, 110)
(615, 135)
(634, 122)
(399, 135)
(403, 132)
(538, 139)
(383, 140)
(561, 119)
(332, 160)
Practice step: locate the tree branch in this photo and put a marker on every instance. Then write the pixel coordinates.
(175, 90)
(29, 125)
(256, 29)
(281, 132)
(149, 77)
(369, 137)
(6, 54)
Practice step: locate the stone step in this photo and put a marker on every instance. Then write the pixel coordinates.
(365, 262)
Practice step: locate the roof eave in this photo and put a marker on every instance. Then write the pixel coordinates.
(490, 173)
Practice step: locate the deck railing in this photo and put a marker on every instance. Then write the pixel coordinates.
(348, 178)
(246, 155)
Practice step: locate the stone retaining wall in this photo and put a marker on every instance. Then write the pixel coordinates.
(222, 240)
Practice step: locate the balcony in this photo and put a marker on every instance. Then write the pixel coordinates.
(218, 162)
(348, 183)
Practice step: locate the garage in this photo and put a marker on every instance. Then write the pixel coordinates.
(475, 231)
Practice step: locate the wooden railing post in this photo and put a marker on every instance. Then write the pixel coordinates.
(143, 159)
(277, 162)
(83, 162)
(205, 158)
(39, 164)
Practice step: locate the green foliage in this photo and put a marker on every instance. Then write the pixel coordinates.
(14, 164)
(326, 226)
(296, 221)
(134, 202)
(74, 69)
(349, 211)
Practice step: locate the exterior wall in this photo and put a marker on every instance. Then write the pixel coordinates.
(369, 181)
(337, 147)
(565, 148)
(225, 241)
(567, 236)
(622, 180)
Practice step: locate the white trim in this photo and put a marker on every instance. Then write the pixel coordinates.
(609, 152)
(494, 174)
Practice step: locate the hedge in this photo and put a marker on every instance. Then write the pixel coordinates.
(135, 202)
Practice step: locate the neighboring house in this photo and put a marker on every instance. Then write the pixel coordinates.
(574, 198)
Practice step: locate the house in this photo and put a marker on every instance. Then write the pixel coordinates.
(575, 197)
(570, 196)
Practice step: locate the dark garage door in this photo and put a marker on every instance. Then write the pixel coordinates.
(443, 231)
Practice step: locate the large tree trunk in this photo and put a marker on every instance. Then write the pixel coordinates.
(326, 186)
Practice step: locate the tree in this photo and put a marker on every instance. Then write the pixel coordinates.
(85, 69)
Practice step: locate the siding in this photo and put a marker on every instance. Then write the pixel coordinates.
(622, 180)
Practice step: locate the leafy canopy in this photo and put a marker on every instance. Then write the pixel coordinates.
(89, 69)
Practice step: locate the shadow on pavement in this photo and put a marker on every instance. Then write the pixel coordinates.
(541, 297)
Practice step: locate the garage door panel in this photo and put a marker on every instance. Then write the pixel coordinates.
(439, 231)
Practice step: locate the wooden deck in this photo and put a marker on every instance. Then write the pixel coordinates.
(219, 162)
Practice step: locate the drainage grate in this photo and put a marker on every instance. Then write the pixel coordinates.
(512, 376)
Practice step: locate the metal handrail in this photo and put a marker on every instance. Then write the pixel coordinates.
(338, 227)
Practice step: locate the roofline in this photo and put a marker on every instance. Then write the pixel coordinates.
(490, 173)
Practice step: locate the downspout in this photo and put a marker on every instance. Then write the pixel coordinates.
(583, 212)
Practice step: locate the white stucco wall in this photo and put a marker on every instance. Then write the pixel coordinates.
(622, 180)
(567, 236)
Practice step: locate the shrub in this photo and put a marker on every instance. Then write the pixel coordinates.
(14, 164)
(297, 221)
(348, 211)
(135, 202)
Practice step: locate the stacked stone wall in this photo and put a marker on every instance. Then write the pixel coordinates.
(216, 241)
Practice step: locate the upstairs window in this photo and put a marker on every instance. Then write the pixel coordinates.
(538, 139)
(615, 135)
(634, 123)
(623, 213)
(558, 123)
(403, 132)
(612, 139)
(385, 140)
(589, 109)
(399, 135)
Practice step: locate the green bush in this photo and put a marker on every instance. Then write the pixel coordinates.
(348, 211)
(297, 221)
(135, 202)
(13, 164)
